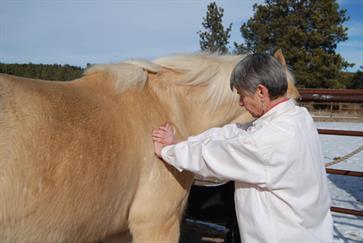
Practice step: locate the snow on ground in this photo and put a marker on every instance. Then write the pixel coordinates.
(345, 191)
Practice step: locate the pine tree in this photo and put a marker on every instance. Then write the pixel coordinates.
(307, 31)
(357, 80)
(215, 37)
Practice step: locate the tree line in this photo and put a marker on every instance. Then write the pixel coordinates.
(307, 31)
(43, 71)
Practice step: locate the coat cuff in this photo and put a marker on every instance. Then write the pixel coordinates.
(168, 155)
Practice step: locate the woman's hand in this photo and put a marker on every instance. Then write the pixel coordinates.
(157, 148)
(164, 135)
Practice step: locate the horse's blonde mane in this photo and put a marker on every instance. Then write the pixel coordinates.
(126, 74)
(201, 69)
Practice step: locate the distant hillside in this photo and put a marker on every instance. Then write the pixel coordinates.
(43, 71)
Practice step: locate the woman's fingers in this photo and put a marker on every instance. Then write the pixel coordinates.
(157, 135)
(164, 128)
(164, 134)
(168, 129)
(160, 134)
(164, 131)
(159, 140)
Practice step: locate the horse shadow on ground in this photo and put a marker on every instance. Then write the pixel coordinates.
(347, 228)
(352, 186)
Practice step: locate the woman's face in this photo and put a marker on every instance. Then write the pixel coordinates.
(251, 102)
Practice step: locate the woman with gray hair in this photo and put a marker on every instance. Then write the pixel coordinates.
(281, 192)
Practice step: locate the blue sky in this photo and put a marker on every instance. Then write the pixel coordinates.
(77, 32)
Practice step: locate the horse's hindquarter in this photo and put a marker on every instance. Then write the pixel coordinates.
(60, 163)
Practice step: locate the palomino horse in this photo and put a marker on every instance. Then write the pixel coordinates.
(76, 158)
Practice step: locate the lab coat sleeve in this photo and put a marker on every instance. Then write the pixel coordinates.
(236, 158)
(220, 133)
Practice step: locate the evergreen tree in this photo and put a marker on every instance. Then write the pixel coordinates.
(357, 80)
(307, 31)
(215, 37)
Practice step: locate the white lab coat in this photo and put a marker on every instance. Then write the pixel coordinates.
(281, 191)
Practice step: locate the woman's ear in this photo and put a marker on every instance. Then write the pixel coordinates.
(262, 91)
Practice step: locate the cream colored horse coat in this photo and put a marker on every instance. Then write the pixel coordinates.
(76, 158)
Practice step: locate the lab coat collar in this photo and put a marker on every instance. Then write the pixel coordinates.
(275, 111)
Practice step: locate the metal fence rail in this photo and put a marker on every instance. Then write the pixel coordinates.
(341, 132)
(343, 172)
(333, 105)
(332, 95)
(347, 211)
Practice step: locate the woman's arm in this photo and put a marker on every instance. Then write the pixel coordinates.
(213, 154)
(232, 159)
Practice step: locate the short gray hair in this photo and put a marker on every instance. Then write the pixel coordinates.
(258, 69)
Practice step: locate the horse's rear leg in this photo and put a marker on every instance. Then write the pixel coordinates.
(157, 208)
(119, 238)
(157, 221)
(166, 232)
